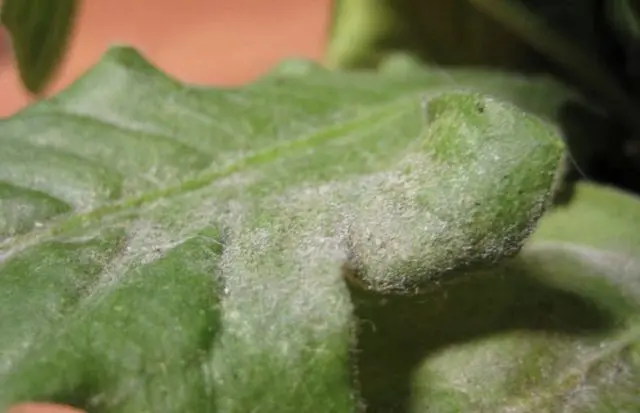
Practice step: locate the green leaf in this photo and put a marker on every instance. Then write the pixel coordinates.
(454, 32)
(39, 30)
(315, 241)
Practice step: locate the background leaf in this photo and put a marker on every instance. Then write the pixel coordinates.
(520, 35)
(170, 248)
(40, 31)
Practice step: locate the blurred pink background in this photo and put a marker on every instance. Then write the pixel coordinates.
(202, 41)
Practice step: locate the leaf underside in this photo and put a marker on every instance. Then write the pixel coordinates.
(173, 248)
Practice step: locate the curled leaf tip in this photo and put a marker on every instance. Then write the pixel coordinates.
(481, 176)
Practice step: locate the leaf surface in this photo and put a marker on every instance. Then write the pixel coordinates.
(315, 241)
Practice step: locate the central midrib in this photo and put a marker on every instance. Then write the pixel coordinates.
(378, 114)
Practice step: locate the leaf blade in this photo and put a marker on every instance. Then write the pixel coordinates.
(285, 316)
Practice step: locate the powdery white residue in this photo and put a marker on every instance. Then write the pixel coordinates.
(145, 242)
(391, 238)
(288, 272)
(390, 234)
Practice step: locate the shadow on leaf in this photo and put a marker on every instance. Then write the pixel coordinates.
(397, 333)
